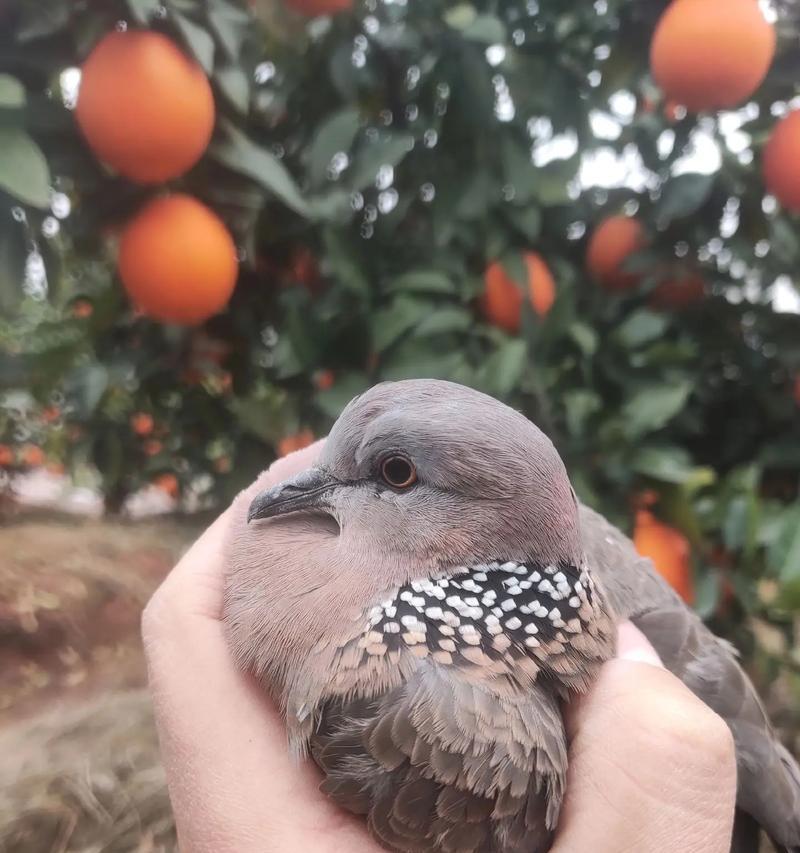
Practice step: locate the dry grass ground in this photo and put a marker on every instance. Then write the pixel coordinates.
(79, 767)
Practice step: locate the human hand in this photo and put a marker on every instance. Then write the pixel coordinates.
(651, 767)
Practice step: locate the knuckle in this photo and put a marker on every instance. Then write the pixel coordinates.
(689, 727)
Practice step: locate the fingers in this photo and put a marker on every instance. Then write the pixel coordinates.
(652, 768)
(232, 784)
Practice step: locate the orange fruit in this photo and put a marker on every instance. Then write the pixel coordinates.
(144, 107)
(50, 414)
(6, 456)
(501, 302)
(313, 8)
(153, 447)
(781, 161)
(167, 483)
(668, 548)
(223, 464)
(142, 423)
(297, 441)
(611, 243)
(711, 54)
(682, 290)
(82, 309)
(32, 455)
(177, 260)
(324, 379)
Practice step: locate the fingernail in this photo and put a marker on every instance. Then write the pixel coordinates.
(633, 645)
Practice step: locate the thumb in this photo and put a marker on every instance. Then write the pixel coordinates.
(651, 766)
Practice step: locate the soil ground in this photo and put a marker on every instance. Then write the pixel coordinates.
(79, 767)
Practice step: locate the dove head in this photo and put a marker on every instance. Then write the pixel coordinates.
(423, 474)
(417, 478)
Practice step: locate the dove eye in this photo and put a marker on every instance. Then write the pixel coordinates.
(398, 472)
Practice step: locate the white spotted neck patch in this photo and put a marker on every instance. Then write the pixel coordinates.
(486, 614)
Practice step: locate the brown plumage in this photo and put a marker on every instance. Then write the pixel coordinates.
(420, 601)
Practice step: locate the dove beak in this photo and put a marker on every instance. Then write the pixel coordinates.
(308, 490)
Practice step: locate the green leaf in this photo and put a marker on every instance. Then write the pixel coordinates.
(502, 370)
(235, 86)
(682, 196)
(12, 92)
(143, 11)
(584, 336)
(335, 134)
(231, 24)
(197, 39)
(784, 552)
(652, 408)
(344, 262)
(41, 18)
(641, 327)
(486, 29)
(422, 281)
(391, 323)
(85, 387)
(460, 16)
(265, 413)
(240, 154)
(519, 170)
(446, 320)
(784, 240)
(707, 590)
(12, 266)
(579, 405)
(387, 150)
(24, 173)
(671, 464)
(527, 220)
(424, 359)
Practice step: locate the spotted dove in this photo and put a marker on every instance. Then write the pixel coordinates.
(421, 601)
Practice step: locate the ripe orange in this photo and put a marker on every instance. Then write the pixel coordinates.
(145, 107)
(501, 302)
(781, 161)
(167, 483)
(684, 289)
(32, 455)
(613, 241)
(153, 447)
(142, 423)
(668, 548)
(312, 8)
(323, 379)
(711, 54)
(82, 308)
(50, 414)
(297, 441)
(177, 260)
(6, 456)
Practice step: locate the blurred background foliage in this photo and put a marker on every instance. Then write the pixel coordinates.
(370, 165)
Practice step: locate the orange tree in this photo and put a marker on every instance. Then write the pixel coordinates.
(373, 166)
